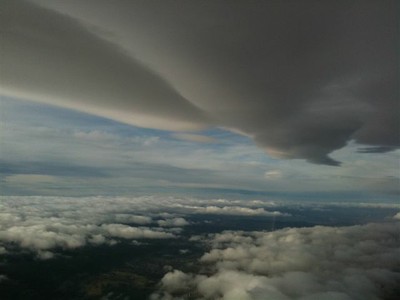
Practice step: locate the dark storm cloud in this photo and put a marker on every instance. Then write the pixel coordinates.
(302, 78)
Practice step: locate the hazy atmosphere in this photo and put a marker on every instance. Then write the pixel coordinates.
(188, 149)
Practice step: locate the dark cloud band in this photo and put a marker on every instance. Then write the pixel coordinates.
(301, 78)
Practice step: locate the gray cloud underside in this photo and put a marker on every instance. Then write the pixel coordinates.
(54, 59)
(302, 79)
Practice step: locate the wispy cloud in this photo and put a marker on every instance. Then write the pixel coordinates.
(194, 137)
(55, 151)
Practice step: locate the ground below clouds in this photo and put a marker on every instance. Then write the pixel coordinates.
(188, 248)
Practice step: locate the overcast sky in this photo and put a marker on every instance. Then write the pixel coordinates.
(277, 98)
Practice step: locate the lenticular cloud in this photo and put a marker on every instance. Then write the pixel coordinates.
(329, 263)
(301, 78)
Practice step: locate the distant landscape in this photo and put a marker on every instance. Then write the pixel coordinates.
(199, 150)
(128, 264)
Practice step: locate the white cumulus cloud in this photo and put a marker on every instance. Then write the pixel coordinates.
(329, 263)
(45, 224)
(175, 222)
(236, 210)
(397, 216)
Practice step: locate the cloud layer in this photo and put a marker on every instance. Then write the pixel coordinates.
(45, 225)
(330, 263)
(301, 79)
(334, 263)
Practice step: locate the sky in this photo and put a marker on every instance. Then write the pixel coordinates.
(237, 149)
(271, 99)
